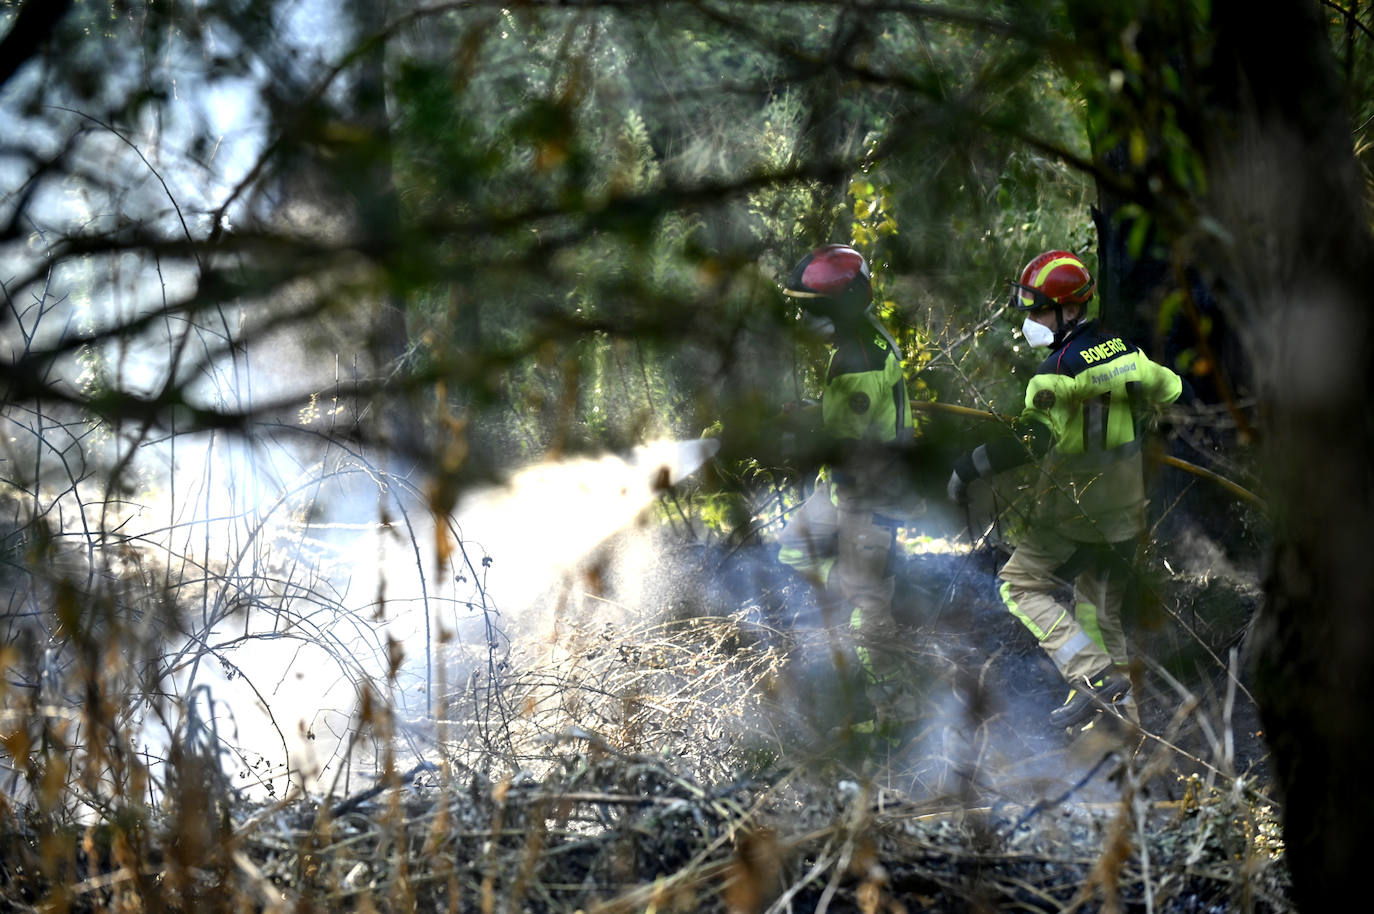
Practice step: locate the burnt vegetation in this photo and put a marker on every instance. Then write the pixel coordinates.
(400, 411)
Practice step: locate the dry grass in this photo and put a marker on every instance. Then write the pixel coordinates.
(596, 757)
(616, 802)
(639, 769)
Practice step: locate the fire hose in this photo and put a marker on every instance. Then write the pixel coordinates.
(1168, 460)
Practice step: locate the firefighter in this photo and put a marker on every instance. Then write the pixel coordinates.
(843, 536)
(1084, 415)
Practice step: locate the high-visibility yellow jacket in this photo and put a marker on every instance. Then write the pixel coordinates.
(865, 393)
(865, 409)
(1084, 420)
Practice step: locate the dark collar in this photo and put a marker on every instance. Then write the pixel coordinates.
(1082, 328)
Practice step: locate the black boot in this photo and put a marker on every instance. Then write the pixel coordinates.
(1090, 695)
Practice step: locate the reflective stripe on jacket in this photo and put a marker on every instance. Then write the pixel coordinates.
(1093, 394)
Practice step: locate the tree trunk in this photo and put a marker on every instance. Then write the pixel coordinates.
(1283, 233)
(1286, 187)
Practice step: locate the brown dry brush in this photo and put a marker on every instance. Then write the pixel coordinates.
(657, 763)
(665, 764)
(119, 782)
(648, 774)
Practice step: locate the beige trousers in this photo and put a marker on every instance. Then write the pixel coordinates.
(1083, 639)
(842, 547)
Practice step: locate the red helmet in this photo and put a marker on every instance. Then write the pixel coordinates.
(832, 273)
(1053, 278)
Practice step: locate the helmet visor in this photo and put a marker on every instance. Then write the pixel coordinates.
(1028, 298)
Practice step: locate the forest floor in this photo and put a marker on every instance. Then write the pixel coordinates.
(700, 758)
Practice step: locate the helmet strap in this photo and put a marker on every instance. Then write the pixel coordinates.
(1060, 331)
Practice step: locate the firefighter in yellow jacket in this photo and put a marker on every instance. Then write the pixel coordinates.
(843, 537)
(1083, 420)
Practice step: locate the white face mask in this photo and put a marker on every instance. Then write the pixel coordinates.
(1037, 334)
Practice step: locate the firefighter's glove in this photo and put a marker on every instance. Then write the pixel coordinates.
(957, 489)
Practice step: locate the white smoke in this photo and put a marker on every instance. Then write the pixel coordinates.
(282, 682)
